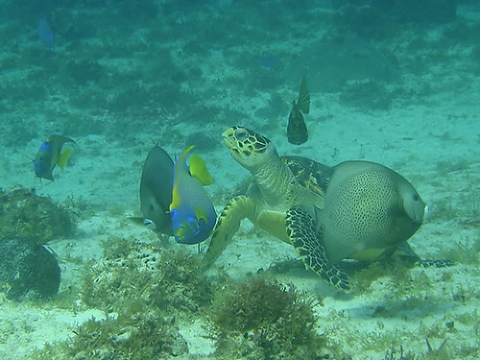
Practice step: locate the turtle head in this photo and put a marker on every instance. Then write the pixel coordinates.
(249, 148)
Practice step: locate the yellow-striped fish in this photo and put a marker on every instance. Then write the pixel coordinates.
(50, 155)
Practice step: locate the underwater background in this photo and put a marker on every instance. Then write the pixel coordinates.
(394, 82)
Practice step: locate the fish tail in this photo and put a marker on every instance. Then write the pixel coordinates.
(304, 97)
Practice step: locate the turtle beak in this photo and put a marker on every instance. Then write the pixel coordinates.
(228, 139)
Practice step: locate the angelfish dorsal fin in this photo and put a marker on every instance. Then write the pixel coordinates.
(198, 169)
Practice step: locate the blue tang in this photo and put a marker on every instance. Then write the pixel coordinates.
(269, 62)
(45, 33)
(50, 154)
(192, 212)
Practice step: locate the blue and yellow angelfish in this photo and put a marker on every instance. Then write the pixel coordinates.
(192, 212)
(50, 154)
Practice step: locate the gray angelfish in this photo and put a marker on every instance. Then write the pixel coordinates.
(156, 190)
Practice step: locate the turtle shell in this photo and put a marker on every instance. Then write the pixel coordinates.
(312, 175)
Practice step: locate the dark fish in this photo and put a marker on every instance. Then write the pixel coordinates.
(156, 190)
(45, 33)
(50, 154)
(297, 132)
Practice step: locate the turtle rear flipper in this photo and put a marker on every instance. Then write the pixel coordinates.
(237, 209)
(434, 263)
(406, 253)
(302, 234)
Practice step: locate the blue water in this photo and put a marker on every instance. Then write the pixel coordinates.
(397, 84)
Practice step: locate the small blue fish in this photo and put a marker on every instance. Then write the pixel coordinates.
(269, 62)
(50, 154)
(45, 33)
(192, 212)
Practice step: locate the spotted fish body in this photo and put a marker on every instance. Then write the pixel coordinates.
(369, 211)
(192, 212)
(297, 132)
(50, 154)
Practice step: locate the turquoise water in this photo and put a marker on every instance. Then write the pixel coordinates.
(397, 85)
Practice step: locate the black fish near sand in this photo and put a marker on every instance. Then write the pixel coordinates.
(27, 267)
(50, 154)
(297, 132)
(156, 190)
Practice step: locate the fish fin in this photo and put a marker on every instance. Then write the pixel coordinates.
(139, 220)
(304, 97)
(176, 201)
(62, 159)
(35, 178)
(59, 139)
(198, 169)
(176, 196)
(311, 130)
(28, 157)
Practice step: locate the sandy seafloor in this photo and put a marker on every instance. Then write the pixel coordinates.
(429, 133)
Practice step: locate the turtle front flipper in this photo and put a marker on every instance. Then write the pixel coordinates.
(237, 209)
(301, 231)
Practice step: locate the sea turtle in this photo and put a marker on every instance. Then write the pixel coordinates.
(356, 209)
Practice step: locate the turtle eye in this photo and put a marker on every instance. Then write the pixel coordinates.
(241, 134)
(415, 197)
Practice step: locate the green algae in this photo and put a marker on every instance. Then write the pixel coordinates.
(145, 290)
(24, 214)
(142, 289)
(136, 336)
(262, 319)
(138, 273)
